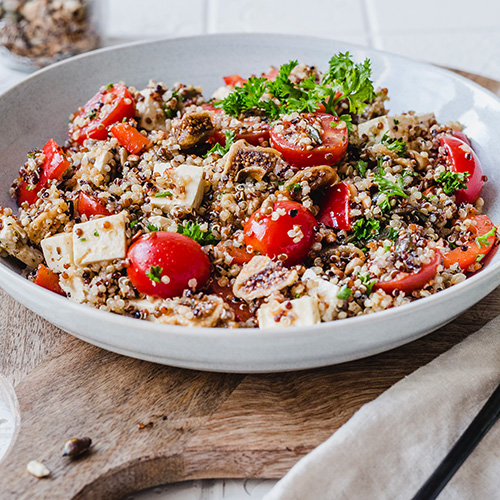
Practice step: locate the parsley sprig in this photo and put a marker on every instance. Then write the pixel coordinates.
(193, 231)
(343, 80)
(222, 150)
(396, 145)
(482, 241)
(452, 181)
(389, 188)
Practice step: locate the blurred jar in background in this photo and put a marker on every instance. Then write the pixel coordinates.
(35, 33)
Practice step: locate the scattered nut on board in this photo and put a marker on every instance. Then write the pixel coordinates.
(76, 447)
(37, 469)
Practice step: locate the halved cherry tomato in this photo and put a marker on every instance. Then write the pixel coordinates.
(48, 279)
(164, 264)
(89, 205)
(130, 138)
(408, 282)
(239, 307)
(461, 158)
(476, 248)
(234, 80)
(238, 256)
(333, 140)
(288, 230)
(334, 211)
(110, 105)
(460, 135)
(53, 167)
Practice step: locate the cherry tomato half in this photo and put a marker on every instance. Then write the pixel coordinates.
(477, 248)
(90, 206)
(330, 143)
(238, 255)
(461, 158)
(164, 264)
(408, 282)
(334, 211)
(288, 230)
(108, 106)
(53, 167)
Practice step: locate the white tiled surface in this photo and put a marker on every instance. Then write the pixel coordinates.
(457, 33)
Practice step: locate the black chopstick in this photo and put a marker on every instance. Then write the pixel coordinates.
(477, 429)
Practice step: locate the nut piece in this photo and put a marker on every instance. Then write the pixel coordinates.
(76, 447)
(37, 469)
(261, 277)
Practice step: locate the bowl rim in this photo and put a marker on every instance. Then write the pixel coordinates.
(413, 308)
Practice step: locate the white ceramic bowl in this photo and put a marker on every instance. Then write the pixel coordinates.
(38, 108)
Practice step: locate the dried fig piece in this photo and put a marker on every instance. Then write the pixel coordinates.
(192, 129)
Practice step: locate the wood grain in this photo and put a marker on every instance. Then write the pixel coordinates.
(194, 424)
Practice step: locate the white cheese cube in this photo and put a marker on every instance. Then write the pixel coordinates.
(163, 223)
(396, 127)
(58, 251)
(102, 160)
(320, 288)
(159, 167)
(73, 286)
(297, 312)
(99, 240)
(188, 191)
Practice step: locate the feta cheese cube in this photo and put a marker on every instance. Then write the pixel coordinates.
(322, 289)
(159, 167)
(297, 312)
(73, 286)
(99, 240)
(396, 127)
(58, 251)
(188, 191)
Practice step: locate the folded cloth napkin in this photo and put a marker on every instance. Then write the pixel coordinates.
(393, 444)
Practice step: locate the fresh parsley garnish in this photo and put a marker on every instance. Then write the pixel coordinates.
(362, 168)
(389, 188)
(344, 293)
(483, 240)
(193, 231)
(396, 145)
(222, 150)
(96, 234)
(452, 181)
(480, 257)
(343, 80)
(294, 187)
(368, 282)
(365, 230)
(164, 194)
(133, 223)
(154, 273)
(152, 228)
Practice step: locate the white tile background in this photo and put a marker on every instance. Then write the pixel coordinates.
(464, 34)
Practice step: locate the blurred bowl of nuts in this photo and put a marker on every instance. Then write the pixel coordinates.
(36, 33)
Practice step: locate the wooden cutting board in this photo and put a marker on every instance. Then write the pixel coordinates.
(152, 424)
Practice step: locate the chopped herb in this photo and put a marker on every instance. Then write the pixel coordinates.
(109, 86)
(297, 295)
(152, 228)
(408, 172)
(96, 233)
(192, 229)
(133, 223)
(362, 168)
(154, 273)
(389, 188)
(452, 181)
(124, 119)
(393, 233)
(396, 122)
(92, 114)
(483, 240)
(222, 150)
(397, 145)
(294, 187)
(83, 239)
(386, 246)
(365, 230)
(344, 293)
(480, 257)
(368, 282)
(164, 194)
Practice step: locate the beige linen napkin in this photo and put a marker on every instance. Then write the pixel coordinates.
(391, 445)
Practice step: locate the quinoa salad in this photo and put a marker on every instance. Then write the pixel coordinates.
(286, 199)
